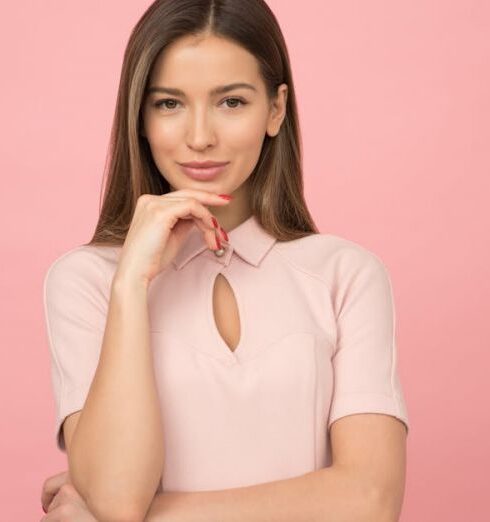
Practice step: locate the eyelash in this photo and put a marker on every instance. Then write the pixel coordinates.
(158, 104)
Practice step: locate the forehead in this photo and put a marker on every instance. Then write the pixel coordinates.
(192, 62)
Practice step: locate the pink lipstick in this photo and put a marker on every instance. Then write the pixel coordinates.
(204, 170)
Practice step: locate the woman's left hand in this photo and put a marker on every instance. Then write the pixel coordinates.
(68, 506)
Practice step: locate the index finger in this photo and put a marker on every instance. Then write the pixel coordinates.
(203, 196)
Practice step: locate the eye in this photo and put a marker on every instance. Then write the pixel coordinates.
(164, 103)
(239, 100)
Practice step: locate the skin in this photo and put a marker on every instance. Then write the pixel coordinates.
(197, 127)
(366, 481)
(201, 126)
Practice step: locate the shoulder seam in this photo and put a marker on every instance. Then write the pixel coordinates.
(331, 338)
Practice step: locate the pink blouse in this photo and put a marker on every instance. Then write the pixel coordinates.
(317, 343)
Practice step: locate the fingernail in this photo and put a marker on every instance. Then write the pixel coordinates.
(215, 223)
(225, 196)
(224, 233)
(218, 243)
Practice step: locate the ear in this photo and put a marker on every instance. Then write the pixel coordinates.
(277, 110)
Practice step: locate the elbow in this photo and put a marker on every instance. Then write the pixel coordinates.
(107, 508)
(108, 512)
(109, 504)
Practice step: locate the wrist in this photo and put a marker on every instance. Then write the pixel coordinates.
(124, 282)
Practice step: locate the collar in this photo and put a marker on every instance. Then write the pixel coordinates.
(249, 240)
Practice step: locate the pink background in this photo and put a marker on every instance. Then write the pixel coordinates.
(395, 113)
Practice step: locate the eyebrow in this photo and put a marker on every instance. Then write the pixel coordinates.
(217, 90)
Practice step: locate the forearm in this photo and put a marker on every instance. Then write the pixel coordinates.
(327, 495)
(116, 455)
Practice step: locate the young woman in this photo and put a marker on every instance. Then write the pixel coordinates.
(215, 357)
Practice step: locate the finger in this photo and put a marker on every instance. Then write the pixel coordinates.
(206, 231)
(46, 501)
(204, 219)
(205, 215)
(208, 198)
(210, 234)
(191, 208)
(54, 503)
(51, 486)
(204, 197)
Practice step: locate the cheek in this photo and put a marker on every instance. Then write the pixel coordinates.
(245, 133)
(163, 136)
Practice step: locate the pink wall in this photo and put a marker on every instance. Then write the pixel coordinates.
(395, 113)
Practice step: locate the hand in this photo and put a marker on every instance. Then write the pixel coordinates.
(68, 506)
(51, 487)
(159, 227)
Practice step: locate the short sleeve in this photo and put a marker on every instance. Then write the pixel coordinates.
(364, 361)
(75, 307)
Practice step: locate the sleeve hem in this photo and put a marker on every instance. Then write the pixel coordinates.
(71, 402)
(350, 404)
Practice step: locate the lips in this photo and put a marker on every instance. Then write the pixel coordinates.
(204, 164)
(203, 173)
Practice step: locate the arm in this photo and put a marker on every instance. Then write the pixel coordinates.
(116, 453)
(365, 483)
(327, 495)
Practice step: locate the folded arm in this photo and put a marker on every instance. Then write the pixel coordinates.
(365, 484)
(323, 495)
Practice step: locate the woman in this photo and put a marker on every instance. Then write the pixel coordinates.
(208, 336)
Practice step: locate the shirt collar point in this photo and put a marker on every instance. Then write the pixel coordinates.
(249, 240)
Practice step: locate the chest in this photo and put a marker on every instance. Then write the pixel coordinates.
(238, 366)
(225, 312)
(235, 313)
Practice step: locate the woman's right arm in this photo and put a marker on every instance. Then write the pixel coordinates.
(116, 451)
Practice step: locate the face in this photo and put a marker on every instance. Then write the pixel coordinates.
(198, 124)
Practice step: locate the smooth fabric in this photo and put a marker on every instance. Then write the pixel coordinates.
(317, 343)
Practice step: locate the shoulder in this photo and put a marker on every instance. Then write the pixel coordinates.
(84, 265)
(330, 257)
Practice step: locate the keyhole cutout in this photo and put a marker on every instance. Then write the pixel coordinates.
(225, 311)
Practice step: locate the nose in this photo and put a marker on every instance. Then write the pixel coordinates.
(200, 132)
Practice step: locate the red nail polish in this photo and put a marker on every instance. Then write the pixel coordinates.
(224, 233)
(218, 243)
(225, 196)
(215, 223)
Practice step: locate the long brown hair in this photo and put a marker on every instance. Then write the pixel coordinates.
(276, 184)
